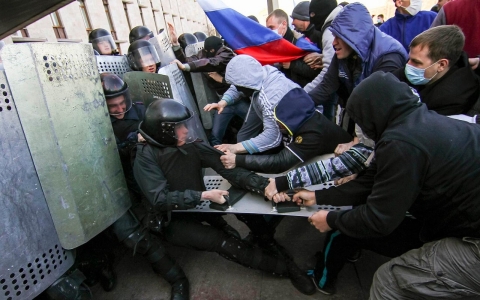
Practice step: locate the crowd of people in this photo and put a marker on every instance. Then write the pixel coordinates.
(396, 101)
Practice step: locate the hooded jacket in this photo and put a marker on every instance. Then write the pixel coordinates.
(270, 87)
(454, 93)
(306, 134)
(374, 51)
(425, 163)
(404, 28)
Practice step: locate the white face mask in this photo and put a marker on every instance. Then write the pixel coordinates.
(414, 8)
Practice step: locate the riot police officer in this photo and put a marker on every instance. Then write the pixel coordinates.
(125, 117)
(142, 56)
(168, 169)
(102, 42)
(186, 39)
(140, 33)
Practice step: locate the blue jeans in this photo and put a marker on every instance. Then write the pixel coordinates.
(221, 121)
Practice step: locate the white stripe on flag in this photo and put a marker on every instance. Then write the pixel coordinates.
(212, 5)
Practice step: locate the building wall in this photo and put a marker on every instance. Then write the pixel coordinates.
(186, 15)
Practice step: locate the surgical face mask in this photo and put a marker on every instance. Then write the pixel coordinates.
(379, 20)
(414, 8)
(276, 31)
(416, 76)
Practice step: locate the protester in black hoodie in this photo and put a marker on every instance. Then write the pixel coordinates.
(425, 163)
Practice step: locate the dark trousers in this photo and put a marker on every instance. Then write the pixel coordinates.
(338, 247)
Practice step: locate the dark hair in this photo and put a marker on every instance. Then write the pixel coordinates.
(444, 41)
(380, 15)
(279, 14)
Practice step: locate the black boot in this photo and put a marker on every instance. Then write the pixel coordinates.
(174, 275)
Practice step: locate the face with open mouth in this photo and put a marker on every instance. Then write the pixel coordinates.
(150, 68)
(342, 49)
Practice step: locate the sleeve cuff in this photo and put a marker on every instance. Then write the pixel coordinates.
(331, 219)
(250, 147)
(240, 160)
(176, 47)
(227, 99)
(282, 183)
(187, 67)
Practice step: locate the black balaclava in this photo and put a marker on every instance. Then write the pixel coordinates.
(212, 43)
(319, 11)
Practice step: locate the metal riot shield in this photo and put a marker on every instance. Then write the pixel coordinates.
(62, 110)
(252, 203)
(32, 258)
(162, 44)
(182, 94)
(117, 65)
(147, 87)
(203, 92)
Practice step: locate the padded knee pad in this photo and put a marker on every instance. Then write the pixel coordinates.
(143, 242)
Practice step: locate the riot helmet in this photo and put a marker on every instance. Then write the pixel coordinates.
(211, 45)
(102, 41)
(116, 95)
(186, 39)
(140, 33)
(201, 37)
(168, 123)
(142, 56)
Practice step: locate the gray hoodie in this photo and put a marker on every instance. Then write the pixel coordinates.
(271, 86)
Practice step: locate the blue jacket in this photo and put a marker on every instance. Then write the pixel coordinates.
(375, 50)
(404, 28)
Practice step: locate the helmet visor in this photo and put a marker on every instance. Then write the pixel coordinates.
(144, 57)
(105, 45)
(185, 131)
(119, 105)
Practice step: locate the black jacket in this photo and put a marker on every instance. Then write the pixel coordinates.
(425, 163)
(454, 93)
(171, 178)
(218, 63)
(299, 72)
(317, 136)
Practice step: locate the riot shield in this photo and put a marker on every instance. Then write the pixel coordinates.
(193, 49)
(117, 65)
(181, 93)
(147, 87)
(162, 44)
(251, 203)
(203, 92)
(62, 110)
(32, 258)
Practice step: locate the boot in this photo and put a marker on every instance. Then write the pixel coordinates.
(258, 258)
(174, 275)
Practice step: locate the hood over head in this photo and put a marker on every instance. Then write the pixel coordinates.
(292, 112)
(355, 27)
(380, 100)
(245, 71)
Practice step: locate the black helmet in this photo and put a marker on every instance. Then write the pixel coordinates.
(162, 118)
(200, 36)
(140, 33)
(102, 41)
(113, 87)
(187, 39)
(142, 53)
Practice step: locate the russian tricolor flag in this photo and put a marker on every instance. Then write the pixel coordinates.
(246, 36)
